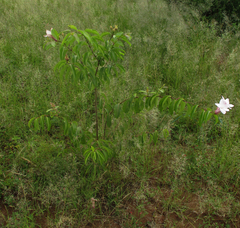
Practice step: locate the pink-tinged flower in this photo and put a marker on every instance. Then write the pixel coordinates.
(93, 202)
(223, 106)
(49, 34)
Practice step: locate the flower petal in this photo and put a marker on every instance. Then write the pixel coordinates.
(223, 111)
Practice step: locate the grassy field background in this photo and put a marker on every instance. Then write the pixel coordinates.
(190, 179)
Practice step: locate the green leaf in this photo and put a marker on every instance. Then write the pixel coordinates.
(76, 37)
(92, 31)
(148, 102)
(42, 122)
(126, 106)
(72, 27)
(154, 100)
(162, 102)
(85, 57)
(120, 67)
(48, 46)
(119, 52)
(70, 40)
(59, 65)
(80, 66)
(182, 107)
(86, 35)
(94, 156)
(207, 116)
(48, 123)
(109, 121)
(144, 136)
(66, 37)
(119, 34)
(101, 157)
(30, 121)
(117, 45)
(126, 40)
(136, 106)
(55, 34)
(63, 70)
(61, 49)
(113, 56)
(171, 107)
(36, 125)
(165, 133)
(87, 153)
(108, 150)
(53, 43)
(201, 118)
(97, 38)
(106, 78)
(95, 80)
(105, 34)
(178, 102)
(101, 73)
(66, 126)
(193, 110)
(94, 42)
(117, 110)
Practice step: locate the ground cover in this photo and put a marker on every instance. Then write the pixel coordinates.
(188, 179)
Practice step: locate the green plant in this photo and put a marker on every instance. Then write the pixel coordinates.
(93, 59)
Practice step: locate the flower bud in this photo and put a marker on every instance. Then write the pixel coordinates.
(217, 111)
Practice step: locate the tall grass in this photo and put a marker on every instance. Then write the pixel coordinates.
(44, 176)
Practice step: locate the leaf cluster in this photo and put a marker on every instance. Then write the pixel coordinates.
(88, 55)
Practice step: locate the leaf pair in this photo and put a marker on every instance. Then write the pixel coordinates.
(99, 152)
(39, 123)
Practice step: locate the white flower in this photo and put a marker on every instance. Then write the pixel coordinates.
(223, 106)
(48, 33)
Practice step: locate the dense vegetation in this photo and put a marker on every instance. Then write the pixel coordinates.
(225, 13)
(189, 178)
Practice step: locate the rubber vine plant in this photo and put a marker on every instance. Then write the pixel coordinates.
(89, 57)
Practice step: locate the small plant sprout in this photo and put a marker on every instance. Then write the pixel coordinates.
(223, 106)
